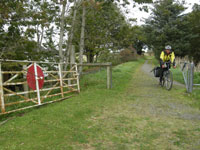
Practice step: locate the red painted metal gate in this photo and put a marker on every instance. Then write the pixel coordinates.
(36, 84)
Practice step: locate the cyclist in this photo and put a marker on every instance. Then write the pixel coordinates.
(166, 55)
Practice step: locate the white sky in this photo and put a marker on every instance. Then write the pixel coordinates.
(140, 15)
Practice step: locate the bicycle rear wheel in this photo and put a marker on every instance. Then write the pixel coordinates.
(168, 80)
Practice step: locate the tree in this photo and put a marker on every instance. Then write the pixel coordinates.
(103, 22)
(194, 33)
(82, 41)
(24, 25)
(166, 27)
(62, 17)
(29, 29)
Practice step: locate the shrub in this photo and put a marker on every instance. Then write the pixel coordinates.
(127, 55)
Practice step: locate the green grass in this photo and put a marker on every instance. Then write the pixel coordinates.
(177, 75)
(135, 114)
(65, 125)
(197, 78)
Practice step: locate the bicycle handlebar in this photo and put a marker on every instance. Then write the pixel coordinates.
(167, 64)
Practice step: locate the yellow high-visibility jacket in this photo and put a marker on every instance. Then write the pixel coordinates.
(164, 57)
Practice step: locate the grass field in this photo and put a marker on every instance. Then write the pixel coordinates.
(52, 126)
(135, 114)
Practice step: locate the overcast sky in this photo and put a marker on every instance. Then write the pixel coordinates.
(140, 15)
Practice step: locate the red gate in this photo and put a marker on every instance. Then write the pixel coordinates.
(36, 84)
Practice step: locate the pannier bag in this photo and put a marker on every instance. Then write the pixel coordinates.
(157, 71)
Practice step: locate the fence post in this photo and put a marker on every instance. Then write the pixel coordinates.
(191, 77)
(1, 92)
(77, 78)
(25, 85)
(37, 84)
(109, 76)
(61, 79)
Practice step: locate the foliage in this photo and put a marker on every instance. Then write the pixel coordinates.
(194, 33)
(101, 29)
(106, 29)
(127, 55)
(21, 23)
(165, 26)
(169, 26)
(29, 29)
(106, 56)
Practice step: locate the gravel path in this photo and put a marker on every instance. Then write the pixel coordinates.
(154, 118)
(148, 117)
(157, 98)
(147, 69)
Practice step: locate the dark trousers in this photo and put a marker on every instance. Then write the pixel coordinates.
(163, 69)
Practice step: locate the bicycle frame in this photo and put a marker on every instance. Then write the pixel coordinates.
(167, 76)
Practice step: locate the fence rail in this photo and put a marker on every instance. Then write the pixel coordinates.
(108, 68)
(180, 61)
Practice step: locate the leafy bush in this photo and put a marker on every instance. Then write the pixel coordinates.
(114, 58)
(127, 55)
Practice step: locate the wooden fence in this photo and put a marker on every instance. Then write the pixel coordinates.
(180, 61)
(15, 94)
(108, 68)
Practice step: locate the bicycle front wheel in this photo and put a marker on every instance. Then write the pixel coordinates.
(168, 80)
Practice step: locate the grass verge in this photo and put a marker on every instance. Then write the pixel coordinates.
(66, 125)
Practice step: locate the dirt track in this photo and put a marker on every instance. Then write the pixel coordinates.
(153, 118)
(174, 103)
(146, 68)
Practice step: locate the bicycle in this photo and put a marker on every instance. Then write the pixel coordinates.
(167, 79)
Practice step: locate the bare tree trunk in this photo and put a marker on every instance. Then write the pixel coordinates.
(82, 38)
(38, 38)
(97, 55)
(41, 39)
(69, 45)
(62, 30)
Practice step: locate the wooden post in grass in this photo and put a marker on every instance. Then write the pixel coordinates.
(37, 83)
(25, 85)
(61, 79)
(1, 92)
(109, 71)
(109, 76)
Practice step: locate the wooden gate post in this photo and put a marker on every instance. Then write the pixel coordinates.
(1, 92)
(109, 76)
(77, 78)
(25, 85)
(61, 78)
(37, 83)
